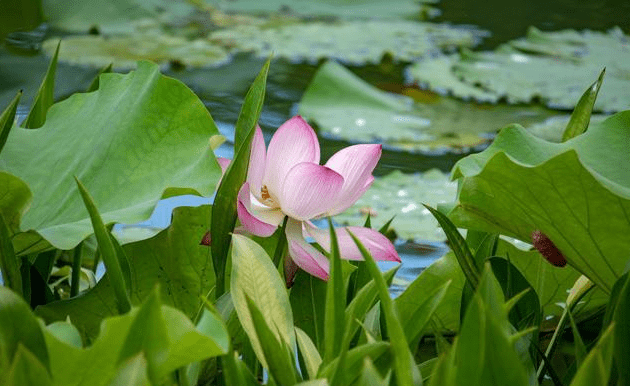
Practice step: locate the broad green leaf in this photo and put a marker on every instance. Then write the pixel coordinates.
(596, 367)
(255, 276)
(26, 369)
(278, 355)
(45, 96)
(132, 372)
(138, 138)
(65, 332)
(173, 258)
(404, 366)
(7, 119)
(19, 15)
(9, 265)
(108, 253)
(402, 195)
(552, 67)
(621, 320)
(224, 207)
(354, 42)
(19, 328)
(122, 52)
(175, 343)
(346, 107)
(581, 116)
(573, 192)
(311, 358)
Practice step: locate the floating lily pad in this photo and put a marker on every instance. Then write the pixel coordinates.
(138, 138)
(402, 195)
(125, 51)
(115, 16)
(552, 67)
(345, 107)
(350, 9)
(577, 193)
(355, 42)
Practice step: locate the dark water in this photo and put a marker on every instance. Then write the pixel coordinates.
(223, 89)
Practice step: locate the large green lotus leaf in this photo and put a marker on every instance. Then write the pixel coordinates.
(178, 343)
(552, 129)
(125, 51)
(344, 106)
(138, 138)
(173, 258)
(350, 9)
(355, 42)
(550, 283)
(114, 16)
(402, 195)
(577, 193)
(553, 67)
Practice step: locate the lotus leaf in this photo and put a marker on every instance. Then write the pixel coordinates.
(138, 138)
(344, 106)
(577, 193)
(552, 67)
(173, 258)
(355, 42)
(124, 51)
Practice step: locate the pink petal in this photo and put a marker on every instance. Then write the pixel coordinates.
(262, 222)
(303, 254)
(356, 164)
(294, 142)
(223, 163)
(256, 168)
(309, 190)
(378, 245)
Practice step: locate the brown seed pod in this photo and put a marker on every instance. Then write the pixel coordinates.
(547, 248)
(207, 239)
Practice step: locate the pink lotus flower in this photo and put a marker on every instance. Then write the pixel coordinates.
(287, 180)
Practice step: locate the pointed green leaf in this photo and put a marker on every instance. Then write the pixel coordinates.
(9, 266)
(335, 302)
(581, 116)
(354, 360)
(309, 353)
(580, 348)
(307, 305)
(255, 276)
(94, 85)
(19, 327)
(108, 253)
(278, 354)
(405, 369)
(173, 258)
(370, 375)
(45, 96)
(26, 369)
(420, 317)
(7, 119)
(224, 207)
(596, 367)
(235, 372)
(621, 319)
(139, 138)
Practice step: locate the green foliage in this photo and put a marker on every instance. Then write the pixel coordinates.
(581, 116)
(138, 138)
(45, 96)
(224, 208)
(7, 119)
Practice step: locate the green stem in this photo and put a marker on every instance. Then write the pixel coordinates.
(282, 243)
(76, 270)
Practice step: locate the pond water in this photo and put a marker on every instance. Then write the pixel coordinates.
(222, 89)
